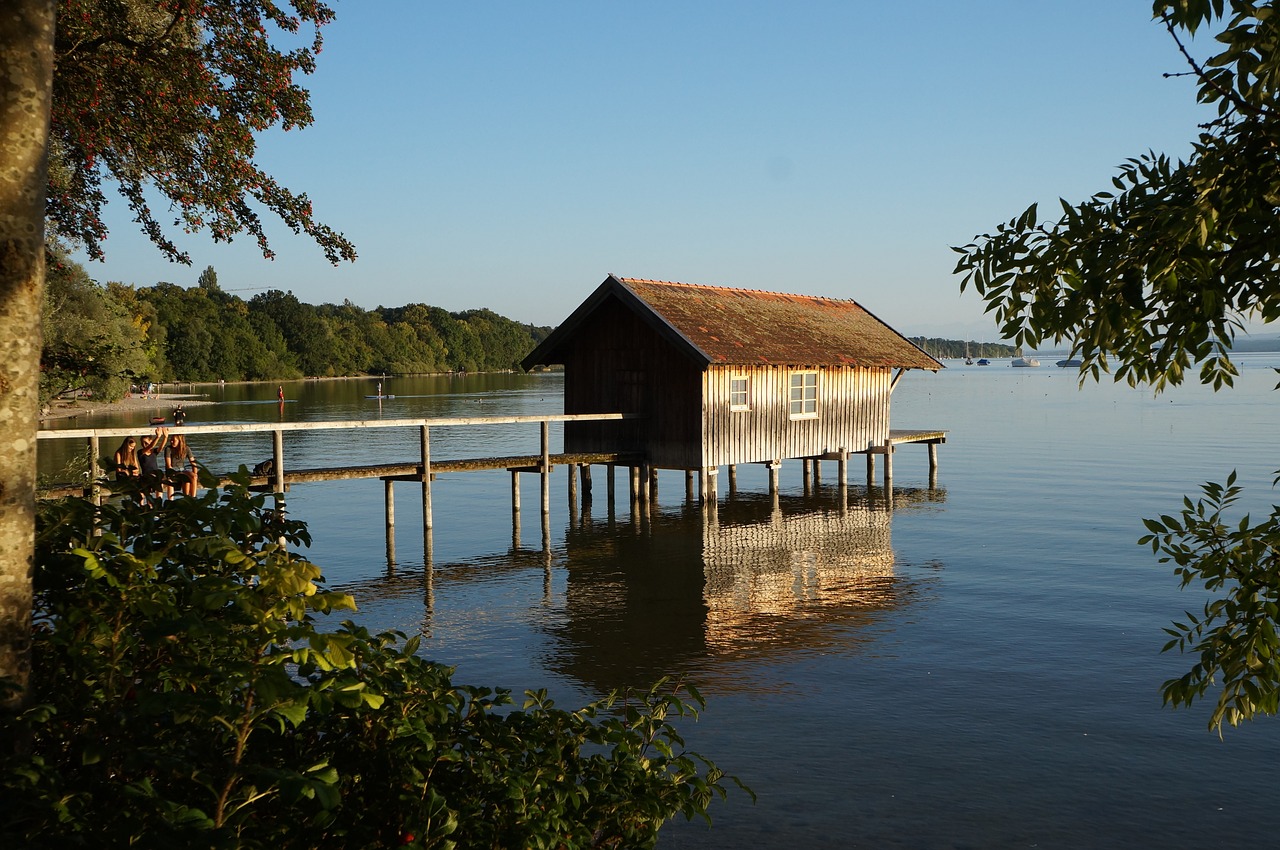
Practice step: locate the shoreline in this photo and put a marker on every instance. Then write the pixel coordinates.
(160, 403)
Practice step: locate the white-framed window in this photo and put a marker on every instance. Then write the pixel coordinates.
(738, 393)
(804, 395)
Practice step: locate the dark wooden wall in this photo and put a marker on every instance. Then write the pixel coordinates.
(619, 364)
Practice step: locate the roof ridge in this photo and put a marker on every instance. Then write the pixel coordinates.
(771, 292)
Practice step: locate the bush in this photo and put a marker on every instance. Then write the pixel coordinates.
(183, 693)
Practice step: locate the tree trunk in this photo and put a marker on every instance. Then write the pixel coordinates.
(26, 85)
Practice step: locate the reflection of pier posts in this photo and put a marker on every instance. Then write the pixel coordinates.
(545, 470)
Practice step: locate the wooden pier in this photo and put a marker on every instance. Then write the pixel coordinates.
(642, 478)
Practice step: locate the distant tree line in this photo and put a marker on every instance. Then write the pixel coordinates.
(101, 339)
(945, 348)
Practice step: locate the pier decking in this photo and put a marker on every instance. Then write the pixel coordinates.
(423, 469)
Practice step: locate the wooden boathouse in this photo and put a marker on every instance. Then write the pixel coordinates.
(720, 376)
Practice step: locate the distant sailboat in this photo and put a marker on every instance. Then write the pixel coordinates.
(1019, 360)
(967, 359)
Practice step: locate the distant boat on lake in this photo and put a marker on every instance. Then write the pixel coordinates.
(1025, 362)
(984, 362)
(1070, 364)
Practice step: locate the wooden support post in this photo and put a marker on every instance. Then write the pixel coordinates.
(774, 466)
(277, 459)
(546, 469)
(871, 467)
(515, 492)
(586, 483)
(609, 486)
(389, 499)
(842, 468)
(634, 475)
(888, 465)
(572, 479)
(733, 480)
(806, 472)
(644, 476)
(95, 490)
(653, 484)
(426, 480)
(933, 459)
(704, 485)
(817, 473)
(713, 476)
(688, 485)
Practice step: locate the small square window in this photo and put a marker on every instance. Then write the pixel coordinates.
(804, 394)
(738, 394)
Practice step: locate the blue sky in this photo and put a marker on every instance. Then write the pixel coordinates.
(511, 155)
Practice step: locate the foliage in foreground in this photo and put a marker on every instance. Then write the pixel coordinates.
(185, 694)
(1235, 636)
(1157, 275)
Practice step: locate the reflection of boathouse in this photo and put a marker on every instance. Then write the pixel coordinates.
(753, 581)
(724, 376)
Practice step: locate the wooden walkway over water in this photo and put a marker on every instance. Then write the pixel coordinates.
(424, 468)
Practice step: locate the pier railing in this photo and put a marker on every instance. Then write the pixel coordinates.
(421, 469)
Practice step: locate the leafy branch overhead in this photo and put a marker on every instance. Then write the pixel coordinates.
(1160, 271)
(164, 98)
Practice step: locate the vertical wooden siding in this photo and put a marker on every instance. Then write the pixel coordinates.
(853, 414)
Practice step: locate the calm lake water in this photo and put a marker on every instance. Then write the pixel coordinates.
(977, 666)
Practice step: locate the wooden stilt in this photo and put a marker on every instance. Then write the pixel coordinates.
(572, 476)
(688, 486)
(933, 459)
(806, 473)
(842, 468)
(634, 481)
(586, 483)
(817, 473)
(277, 459)
(871, 467)
(774, 466)
(426, 478)
(653, 484)
(95, 489)
(733, 480)
(888, 465)
(704, 485)
(545, 470)
(515, 492)
(609, 486)
(389, 499)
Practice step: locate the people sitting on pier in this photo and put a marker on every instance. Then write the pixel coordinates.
(152, 474)
(126, 459)
(181, 466)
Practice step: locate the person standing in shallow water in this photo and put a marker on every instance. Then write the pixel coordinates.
(280, 393)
